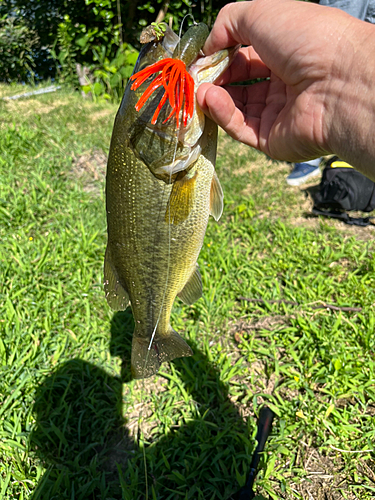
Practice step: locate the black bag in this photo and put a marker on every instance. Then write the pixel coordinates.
(342, 189)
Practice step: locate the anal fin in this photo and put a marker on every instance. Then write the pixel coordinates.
(216, 198)
(115, 293)
(192, 290)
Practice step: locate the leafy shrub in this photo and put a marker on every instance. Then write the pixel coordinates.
(111, 76)
(17, 43)
(92, 23)
(107, 62)
(65, 56)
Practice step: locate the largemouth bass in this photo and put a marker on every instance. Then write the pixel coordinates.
(161, 187)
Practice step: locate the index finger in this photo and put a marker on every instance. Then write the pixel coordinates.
(247, 65)
(228, 30)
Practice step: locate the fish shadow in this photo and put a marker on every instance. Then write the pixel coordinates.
(81, 434)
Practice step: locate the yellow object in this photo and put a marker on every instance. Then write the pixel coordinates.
(339, 163)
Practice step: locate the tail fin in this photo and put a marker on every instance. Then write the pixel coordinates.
(146, 363)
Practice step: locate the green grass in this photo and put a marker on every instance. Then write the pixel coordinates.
(73, 425)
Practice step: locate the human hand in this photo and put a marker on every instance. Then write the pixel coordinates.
(312, 56)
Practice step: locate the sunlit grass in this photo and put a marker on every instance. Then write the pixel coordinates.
(72, 422)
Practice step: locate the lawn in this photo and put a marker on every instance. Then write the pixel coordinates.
(73, 425)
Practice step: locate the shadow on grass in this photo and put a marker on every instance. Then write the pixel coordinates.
(81, 436)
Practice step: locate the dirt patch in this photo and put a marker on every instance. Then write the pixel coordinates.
(117, 451)
(33, 106)
(257, 377)
(326, 476)
(241, 327)
(323, 477)
(104, 113)
(90, 169)
(139, 415)
(348, 231)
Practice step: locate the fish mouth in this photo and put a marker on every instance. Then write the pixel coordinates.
(176, 148)
(207, 69)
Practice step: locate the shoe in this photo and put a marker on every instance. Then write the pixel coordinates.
(301, 173)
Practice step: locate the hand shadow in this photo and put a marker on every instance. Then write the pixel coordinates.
(81, 437)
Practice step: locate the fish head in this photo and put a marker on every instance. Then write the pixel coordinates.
(164, 146)
(205, 69)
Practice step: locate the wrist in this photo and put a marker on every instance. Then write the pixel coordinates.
(350, 103)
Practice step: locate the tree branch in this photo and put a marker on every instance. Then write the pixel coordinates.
(162, 12)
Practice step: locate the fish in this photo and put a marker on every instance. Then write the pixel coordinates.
(161, 188)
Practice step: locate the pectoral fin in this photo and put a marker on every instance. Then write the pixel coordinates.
(216, 198)
(192, 291)
(116, 295)
(181, 199)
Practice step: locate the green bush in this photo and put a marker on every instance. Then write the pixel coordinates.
(17, 43)
(91, 23)
(108, 62)
(111, 76)
(66, 53)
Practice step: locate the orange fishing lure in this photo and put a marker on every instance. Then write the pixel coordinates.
(178, 88)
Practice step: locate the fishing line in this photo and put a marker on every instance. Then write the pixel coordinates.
(183, 20)
(169, 258)
(169, 230)
(159, 316)
(169, 223)
(162, 302)
(182, 23)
